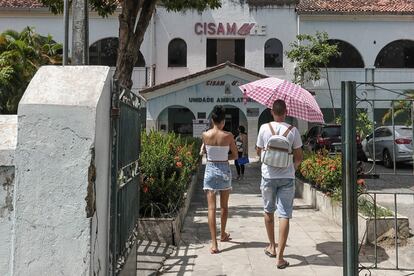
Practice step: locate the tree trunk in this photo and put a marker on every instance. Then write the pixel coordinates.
(131, 36)
(330, 94)
(80, 32)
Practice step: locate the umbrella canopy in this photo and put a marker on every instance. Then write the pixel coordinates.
(300, 102)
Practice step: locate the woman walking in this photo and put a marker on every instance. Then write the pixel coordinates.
(241, 143)
(220, 147)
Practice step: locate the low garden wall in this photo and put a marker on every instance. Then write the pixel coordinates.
(319, 183)
(333, 210)
(170, 167)
(168, 230)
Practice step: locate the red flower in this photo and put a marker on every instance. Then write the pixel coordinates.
(179, 164)
(145, 189)
(176, 158)
(361, 182)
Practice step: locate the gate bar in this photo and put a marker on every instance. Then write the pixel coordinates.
(396, 231)
(349, 177)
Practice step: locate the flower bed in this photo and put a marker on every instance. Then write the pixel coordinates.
(319, 183)
(170, 165)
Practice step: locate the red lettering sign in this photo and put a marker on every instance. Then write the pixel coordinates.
(223, 29)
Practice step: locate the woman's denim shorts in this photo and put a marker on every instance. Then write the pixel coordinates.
(217, 176)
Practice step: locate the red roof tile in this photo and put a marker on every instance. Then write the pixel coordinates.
(356, 6)
(15, 4)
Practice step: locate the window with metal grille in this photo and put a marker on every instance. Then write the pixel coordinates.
(177, 53)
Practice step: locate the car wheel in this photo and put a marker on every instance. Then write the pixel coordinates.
(387, 159)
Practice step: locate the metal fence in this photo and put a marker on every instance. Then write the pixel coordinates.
(126, 137)
(379, 101)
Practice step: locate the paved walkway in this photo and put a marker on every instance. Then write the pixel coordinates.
(314, 245)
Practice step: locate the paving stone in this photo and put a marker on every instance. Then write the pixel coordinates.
(314, 246)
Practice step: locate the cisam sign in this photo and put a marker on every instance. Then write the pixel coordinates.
(204, 28)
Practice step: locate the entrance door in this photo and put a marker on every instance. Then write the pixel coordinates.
(232, 120)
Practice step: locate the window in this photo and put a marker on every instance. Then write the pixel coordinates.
(177, 53)
(397, 54)
(349, 58)
(273, 53)
(105, 52)
(221, 50)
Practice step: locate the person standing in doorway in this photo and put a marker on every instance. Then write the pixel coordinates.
(278, 184)
(219, 147)
(242, 146)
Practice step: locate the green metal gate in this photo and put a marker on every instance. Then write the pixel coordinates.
(126, 137)
(354, 94)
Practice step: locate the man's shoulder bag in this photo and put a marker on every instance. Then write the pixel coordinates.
(278, 152)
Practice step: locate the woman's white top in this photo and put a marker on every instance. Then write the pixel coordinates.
(217, 153)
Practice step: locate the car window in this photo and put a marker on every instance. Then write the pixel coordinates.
(405, 132)
(378, 132)
(386, 133)
(331, 132)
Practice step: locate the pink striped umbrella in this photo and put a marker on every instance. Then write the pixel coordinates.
(300, 102)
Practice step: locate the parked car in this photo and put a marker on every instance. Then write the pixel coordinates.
(384, 140)
(328, 136)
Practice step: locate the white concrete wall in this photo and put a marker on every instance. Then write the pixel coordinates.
(368, 34)
(280, 23)
(8, 138)
(63, 120)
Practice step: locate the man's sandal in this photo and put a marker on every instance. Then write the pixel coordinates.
(283, 265)
(269, 254)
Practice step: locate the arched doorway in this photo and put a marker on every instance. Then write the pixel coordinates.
(234, 118)
(266, 117)
(397, 54)
(178, 119)
(349, 56)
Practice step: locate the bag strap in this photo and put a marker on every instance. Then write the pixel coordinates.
(271, 129)
(284, 134)
(287, 131)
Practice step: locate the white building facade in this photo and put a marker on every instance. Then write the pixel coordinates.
(182, 52)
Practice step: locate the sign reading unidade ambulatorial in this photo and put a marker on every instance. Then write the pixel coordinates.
(219, 100)
(228, 29)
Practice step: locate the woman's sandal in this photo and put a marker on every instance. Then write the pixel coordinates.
(214, 251)
(283, 265)
(226, 238)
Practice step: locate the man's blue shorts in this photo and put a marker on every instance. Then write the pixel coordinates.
(278, 194)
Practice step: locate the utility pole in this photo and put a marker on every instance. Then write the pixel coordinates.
(80, 32)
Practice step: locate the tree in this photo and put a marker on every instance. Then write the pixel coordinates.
(310, 53)
(133, 22)
(21, 55)
(402, 109)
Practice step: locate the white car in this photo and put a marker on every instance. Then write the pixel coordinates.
(383, 141)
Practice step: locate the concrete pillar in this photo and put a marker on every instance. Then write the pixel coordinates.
(8, 137)
(63, 173)
(252, 132)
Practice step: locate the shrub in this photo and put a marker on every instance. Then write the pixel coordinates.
(322, 170)
(167, 164)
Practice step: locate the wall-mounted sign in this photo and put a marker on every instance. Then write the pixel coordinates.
(199, 126)
(219, 100)
(227, 29)
(222, 83)
(252, 112)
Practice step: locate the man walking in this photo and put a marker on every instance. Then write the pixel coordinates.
(278, 184)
